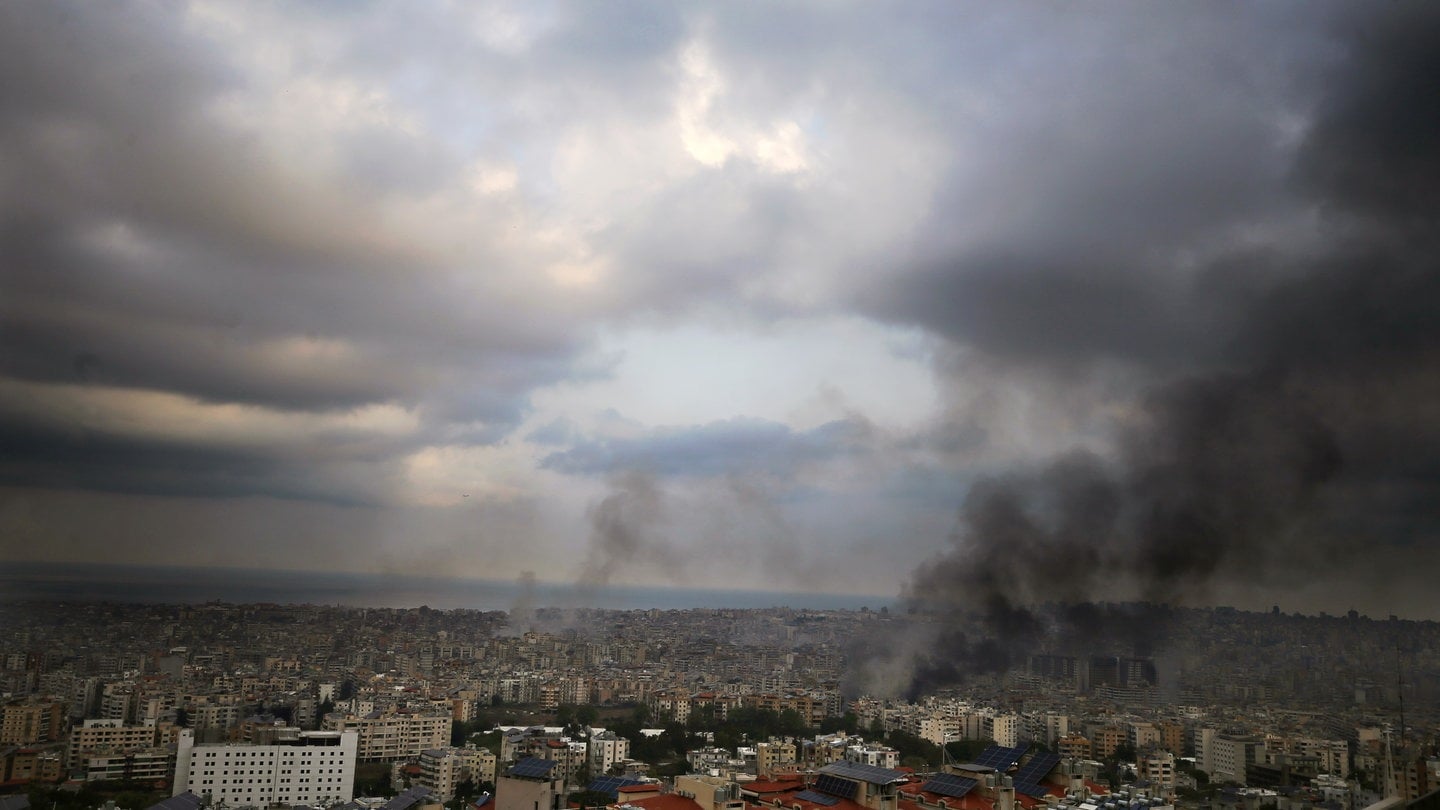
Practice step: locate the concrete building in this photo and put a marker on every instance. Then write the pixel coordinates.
(442, 770)
(938, 730)
(31, 721)
(710, 792)
(874, 755)
(607, 749)
(145, 764)
(530, 784)
(1004, 729)
(1333, 755)
(775, 756)
(1143, 736)
(108, 736)
(386, 737)
(308, 767)
(32, 764)
(1073, 746)
(1159, 767)
(1230, 755)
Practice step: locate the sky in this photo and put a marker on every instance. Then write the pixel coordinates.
(1103, 300)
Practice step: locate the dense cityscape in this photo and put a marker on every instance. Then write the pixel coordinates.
(130, 703)
(671, 405)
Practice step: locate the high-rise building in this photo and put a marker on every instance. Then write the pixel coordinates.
(303, 767)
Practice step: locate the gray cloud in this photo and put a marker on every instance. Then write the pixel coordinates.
(749, 446)
(1187, 254)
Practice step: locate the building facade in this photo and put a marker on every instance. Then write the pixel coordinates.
(307, 767)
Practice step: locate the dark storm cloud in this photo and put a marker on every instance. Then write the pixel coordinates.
(1373, 147)
(1292, 446)
(46, 456)
(330, 242)
(153, 244)
(750, 446)
(1077, 226)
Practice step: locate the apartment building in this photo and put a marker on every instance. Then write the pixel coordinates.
(442, 770)
(305, 767)
(386, 737)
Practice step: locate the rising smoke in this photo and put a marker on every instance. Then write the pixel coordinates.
(1314, 440)
(627, 528)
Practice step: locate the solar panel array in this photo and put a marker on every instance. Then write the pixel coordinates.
(1033, 790)
(1001, 758)
(611, 785)
(185, 801)
(947, 784)
(408, 798)
(873, 774)
(1037, 768)
(836, 786)
(818, 798)
(532, 768)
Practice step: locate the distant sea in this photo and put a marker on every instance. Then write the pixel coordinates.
(60, 582)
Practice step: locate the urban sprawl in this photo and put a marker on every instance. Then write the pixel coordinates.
(233, 706)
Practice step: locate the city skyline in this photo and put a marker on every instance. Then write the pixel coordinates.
(979, 306)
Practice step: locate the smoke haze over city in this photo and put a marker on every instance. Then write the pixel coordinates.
(982, 306)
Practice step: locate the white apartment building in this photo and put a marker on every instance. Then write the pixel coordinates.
(1228, 756)
(880, 756)
(1004, 729)
(393, 735)
(938, 730)
(309, 767)
(607, 749)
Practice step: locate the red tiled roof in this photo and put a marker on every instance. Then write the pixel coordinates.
(759, 786)
(970, 801)
(638, 788)
(665, 801)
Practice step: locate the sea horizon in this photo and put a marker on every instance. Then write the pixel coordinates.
(100, 582)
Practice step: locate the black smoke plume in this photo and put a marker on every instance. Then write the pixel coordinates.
(1315, 440)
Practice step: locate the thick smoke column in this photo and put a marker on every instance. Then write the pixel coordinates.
(522, 612)
(1312, 442)
(626, 529)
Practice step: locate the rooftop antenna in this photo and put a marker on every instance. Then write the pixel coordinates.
(1391, 788)
(1400, 693)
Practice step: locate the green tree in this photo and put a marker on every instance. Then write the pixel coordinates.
(565, 714)
(848, 723)
(791, 723)
(912, 747)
